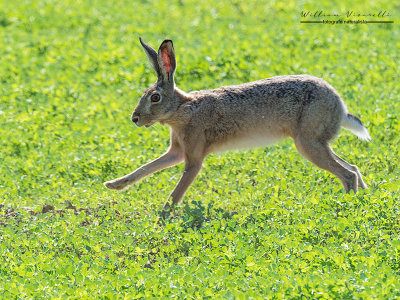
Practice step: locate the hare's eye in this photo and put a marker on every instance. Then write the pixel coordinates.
(155, 98)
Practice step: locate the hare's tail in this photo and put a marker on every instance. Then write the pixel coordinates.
(355, 125)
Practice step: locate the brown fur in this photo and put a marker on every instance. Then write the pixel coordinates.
(252, 114)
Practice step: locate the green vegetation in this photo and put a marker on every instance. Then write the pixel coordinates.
(259, 223)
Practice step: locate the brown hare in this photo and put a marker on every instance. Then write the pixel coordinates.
(258, 113)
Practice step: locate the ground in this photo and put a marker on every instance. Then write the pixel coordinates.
(256, 223)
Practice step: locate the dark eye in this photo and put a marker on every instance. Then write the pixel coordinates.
(155, 98)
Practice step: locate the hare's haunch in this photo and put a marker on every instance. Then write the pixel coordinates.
(258, 113)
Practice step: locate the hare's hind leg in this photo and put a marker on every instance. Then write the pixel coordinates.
(321, 154)
(354, 168)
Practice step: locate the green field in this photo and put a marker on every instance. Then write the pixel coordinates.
(261, 223)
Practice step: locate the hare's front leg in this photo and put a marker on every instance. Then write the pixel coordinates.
(192, 168)
(169, 159)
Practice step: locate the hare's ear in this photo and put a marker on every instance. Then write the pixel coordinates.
(152, 56)
(167, 61)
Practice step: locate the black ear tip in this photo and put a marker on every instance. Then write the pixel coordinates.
(166, 42)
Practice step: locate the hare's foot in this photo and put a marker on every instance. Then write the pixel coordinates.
(117, 184)
(167, 210)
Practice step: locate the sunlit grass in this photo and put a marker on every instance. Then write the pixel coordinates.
(259, 223)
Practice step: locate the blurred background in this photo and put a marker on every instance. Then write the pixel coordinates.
(259, 223)
(72, 72)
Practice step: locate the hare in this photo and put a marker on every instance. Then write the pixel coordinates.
(252, 114)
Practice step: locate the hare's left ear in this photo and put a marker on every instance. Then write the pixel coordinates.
(152, 56)
(167, 62)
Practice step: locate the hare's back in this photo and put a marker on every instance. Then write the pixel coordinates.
(275, 98)
(287, 88)
(263, 111)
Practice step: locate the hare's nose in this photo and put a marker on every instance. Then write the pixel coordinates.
(135, 118)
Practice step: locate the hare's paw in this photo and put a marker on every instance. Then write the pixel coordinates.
(362, 184)
(116, 184)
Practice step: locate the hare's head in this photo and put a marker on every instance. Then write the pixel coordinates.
(158, 102)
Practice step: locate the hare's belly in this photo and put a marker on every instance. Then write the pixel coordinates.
(248, 141)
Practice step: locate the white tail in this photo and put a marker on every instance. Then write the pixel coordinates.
(355, 125)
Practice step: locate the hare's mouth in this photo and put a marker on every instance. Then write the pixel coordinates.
(140, 124)
(149, 124)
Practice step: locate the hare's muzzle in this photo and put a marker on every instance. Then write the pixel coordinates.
(135, 118)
